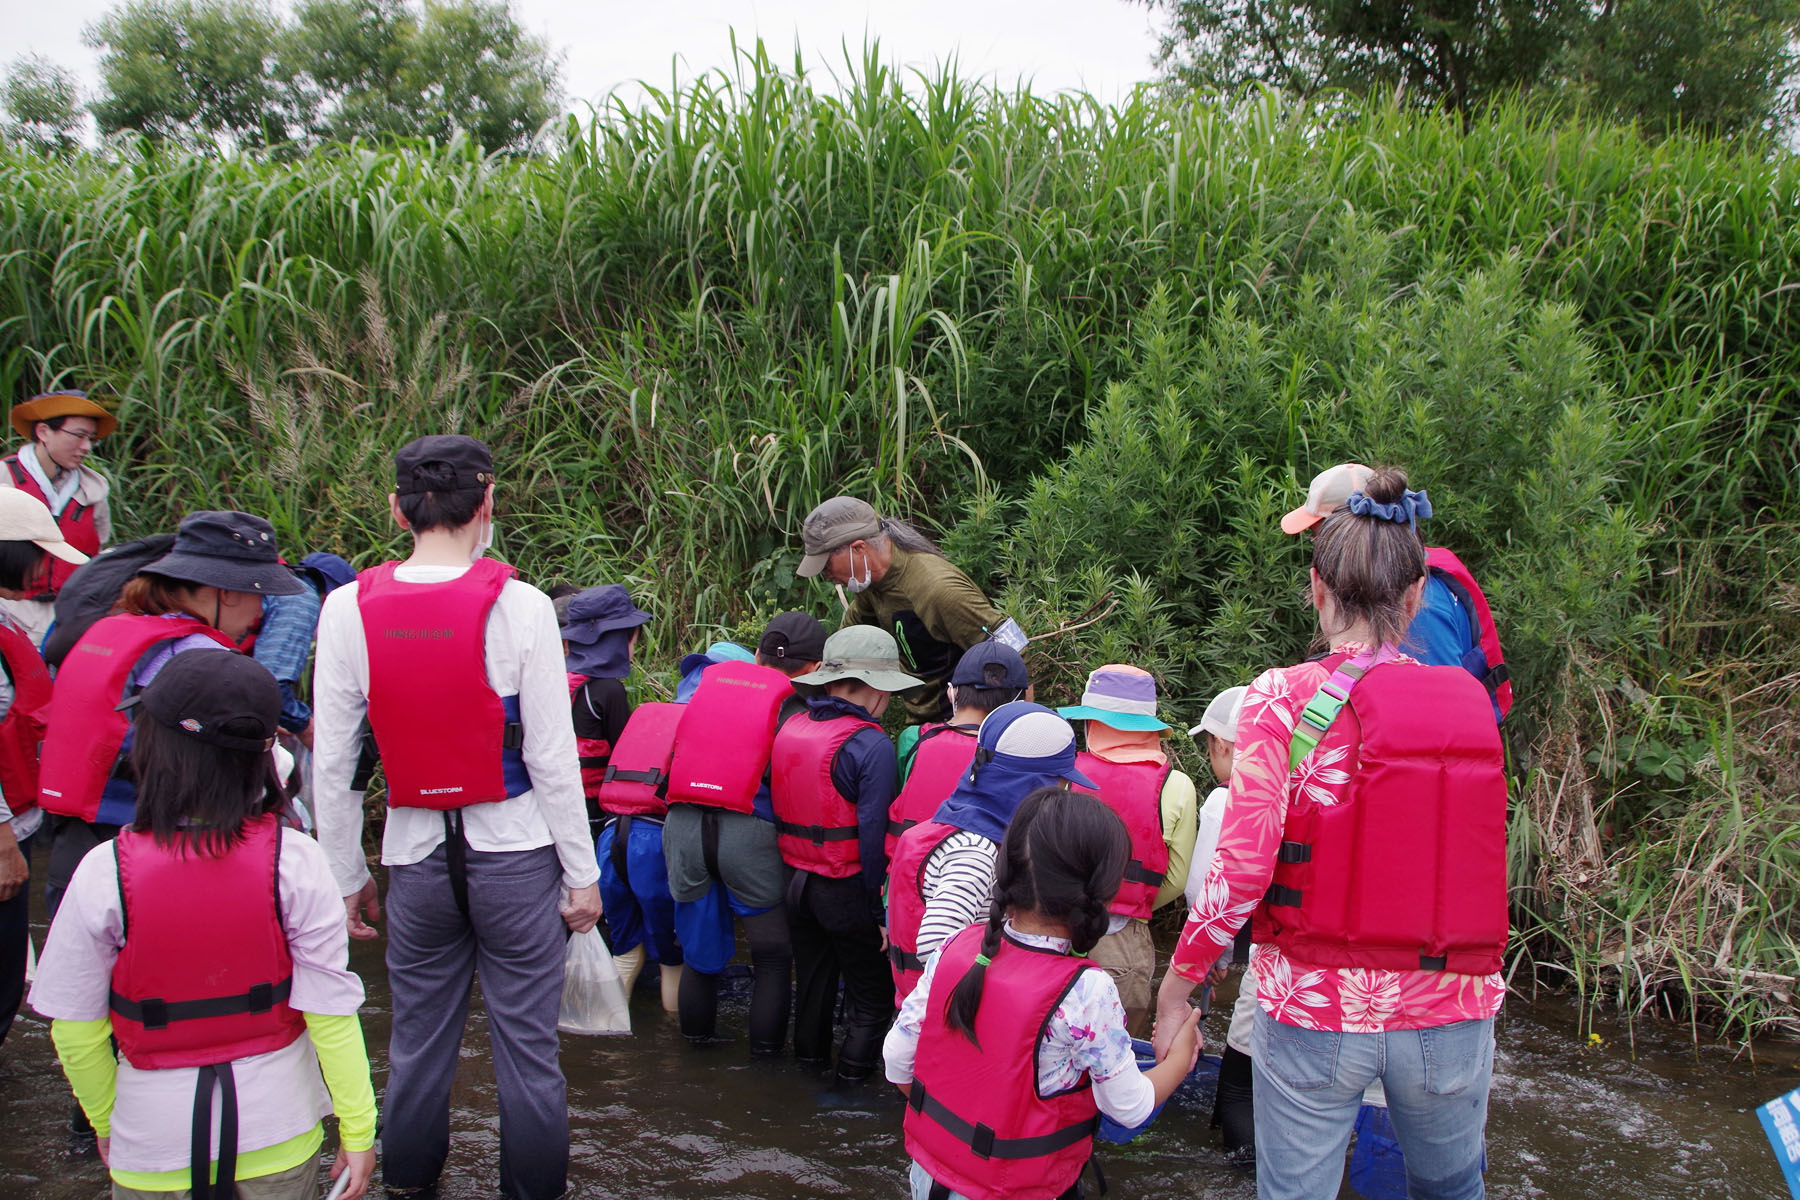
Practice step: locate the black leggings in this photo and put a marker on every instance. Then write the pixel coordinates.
(771, 996)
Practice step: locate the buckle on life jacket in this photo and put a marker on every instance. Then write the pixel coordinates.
(1285, 896)
(904, 960)
(513, 738)
(154, 1013)
(1429, 962)
(1294, 852)
(653, 778)
(260, 997)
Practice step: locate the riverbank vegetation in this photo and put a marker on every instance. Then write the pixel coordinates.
(1100, 350)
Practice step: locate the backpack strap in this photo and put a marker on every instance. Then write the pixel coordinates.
(1329, 701)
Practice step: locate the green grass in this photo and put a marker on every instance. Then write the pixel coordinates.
(1100, 348)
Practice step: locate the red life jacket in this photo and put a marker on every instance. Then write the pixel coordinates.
(22, 730)
(940, 758)
(1407, 871)
(594, 752)
(816, 827)
(1484, 660)
(204, 975)
(1134, 791)
(906, 902)
(447, 739)
(76, 521)
(86, 730)
(637, 777)
(975, 1119)
(726, 732)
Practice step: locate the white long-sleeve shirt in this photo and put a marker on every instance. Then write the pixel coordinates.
(524, 658)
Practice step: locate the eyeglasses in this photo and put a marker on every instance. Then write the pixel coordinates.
(89, 436)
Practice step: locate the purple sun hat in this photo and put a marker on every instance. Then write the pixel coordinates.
(1121, 696)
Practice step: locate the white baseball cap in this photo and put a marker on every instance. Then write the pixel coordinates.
(1221, 717)
(24, 518)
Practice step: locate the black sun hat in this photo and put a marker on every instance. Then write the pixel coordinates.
(217, 696)
(232, 551)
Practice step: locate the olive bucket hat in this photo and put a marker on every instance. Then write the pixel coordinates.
(862, 652)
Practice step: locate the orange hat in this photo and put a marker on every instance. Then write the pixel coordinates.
(47, 405)
(1329, 492)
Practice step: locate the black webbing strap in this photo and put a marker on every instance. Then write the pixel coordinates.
(939, 1191)
(1495, 677)
(513, 737)
(621, 831)
(1277, 894)
(981, 1140)
(1294, 853)
(653, 778)
(1429, 962)
(456, 859)
(593, 763)
(154, 1013)
(896, 828)
(819, 834)
(904, 960)
(709, 842)
(1137, 872)
(200, 1148)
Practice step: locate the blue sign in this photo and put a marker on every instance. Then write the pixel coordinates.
(1781, 1121)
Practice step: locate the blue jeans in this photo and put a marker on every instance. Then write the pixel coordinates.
(1309, 1085)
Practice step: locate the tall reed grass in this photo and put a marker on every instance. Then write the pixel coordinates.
(1102, 348)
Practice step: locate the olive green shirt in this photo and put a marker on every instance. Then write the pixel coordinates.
(935, 612)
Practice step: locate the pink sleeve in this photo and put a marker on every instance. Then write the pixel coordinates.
(1254, 817)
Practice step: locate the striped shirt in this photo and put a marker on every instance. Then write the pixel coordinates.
(957, 886)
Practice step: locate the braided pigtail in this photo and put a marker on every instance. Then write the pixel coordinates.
(1012, 889)
(966, 999)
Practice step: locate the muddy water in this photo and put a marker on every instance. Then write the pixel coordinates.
(653, 1118)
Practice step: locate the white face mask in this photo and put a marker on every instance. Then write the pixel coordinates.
(483, 543)
(855, 584)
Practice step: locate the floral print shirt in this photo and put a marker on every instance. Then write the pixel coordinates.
(1346, 999)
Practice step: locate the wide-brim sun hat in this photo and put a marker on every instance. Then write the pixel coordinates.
(24, 518)
(1119, 696)
(598, 611)
(862, 652)
(47, 406)
(231, 551)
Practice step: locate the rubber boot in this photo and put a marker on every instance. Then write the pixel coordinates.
(629, 963)
(1234, 1107)
(671, 987)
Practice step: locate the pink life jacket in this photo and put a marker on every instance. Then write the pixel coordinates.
(975, 1119)
(1134, 791)
(906, 902)
(86, 730)
(941, 757)
(594, 752)
(205, 972)
(637, 777)
(816, 826)
(1485, 661)
(76, 521)
(447, 739)
(1407, 871)
(726, 732)
(22, 729)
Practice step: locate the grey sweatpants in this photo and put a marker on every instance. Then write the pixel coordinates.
(515, 937)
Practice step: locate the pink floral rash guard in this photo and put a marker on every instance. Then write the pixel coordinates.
(1346, 999)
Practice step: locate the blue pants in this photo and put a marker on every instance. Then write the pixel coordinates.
(1309, 1087)
(639, 908)
(515, 937)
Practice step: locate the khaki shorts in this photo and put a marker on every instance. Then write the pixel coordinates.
(295, 1183)
(1130, 958)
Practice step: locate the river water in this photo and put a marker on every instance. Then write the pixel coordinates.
(652, 1117)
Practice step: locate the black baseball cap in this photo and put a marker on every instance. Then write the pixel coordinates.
(451, 462)
(793, 637)
(216, 696)
(990, 664)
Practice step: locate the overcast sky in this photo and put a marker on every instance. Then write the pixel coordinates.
(1100, 46)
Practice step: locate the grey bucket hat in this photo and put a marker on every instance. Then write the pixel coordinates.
(862, 652)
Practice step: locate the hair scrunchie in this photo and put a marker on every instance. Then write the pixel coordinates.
(1405, 511)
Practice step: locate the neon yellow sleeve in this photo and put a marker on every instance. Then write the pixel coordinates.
(1181, 824)
(344, 1061)
(85, 1048)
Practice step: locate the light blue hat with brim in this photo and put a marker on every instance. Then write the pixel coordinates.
(1120, 696)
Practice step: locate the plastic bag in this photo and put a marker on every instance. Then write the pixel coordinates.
(593, 999)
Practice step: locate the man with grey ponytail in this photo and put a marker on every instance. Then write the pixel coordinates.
(901, 582)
